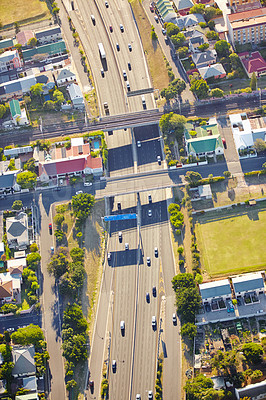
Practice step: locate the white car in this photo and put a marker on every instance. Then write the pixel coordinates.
(124, 75)
(150, 213)
(138, 397)
(79, 192)
(159, 160)
(138, 143)
(126, 246)
(122, 325)
(150, 395)
(106, 4)
(121, 28)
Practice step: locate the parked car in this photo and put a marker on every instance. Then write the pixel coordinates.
(52, 250)
(128, 86)
(109, 256)
(126, 246)
(120, 236)
(156, 251)
(149, 198)
(224, 143)
(159, 160)
(79, 192)
(122, 327)
(138, 143)
(174, 319)
(50, 229)
(150, 395)
(148, 297)
(149, 213)
(124, 75)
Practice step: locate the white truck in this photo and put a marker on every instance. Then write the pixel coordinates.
(101, 51)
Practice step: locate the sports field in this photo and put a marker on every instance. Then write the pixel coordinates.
(21, 10)
(232, 241)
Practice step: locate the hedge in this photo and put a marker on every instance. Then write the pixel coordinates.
(262, 172)
(206, 181)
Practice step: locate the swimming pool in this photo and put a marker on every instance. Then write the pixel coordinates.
(96, 145)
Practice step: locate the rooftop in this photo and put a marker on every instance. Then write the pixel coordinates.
(248, 18)
(253, 391)
(248, 282)
(47, 32)
(253, 62)
(211, 71)
(215, 289)
(204, 144)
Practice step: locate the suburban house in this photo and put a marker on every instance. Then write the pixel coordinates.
(202, 192)
(8, 182)
(246, 131)
(204, 59)
(215, 290)
(45, 51)
(187, 21)
(194, 43)
(183, 6)
(10, 287)
(6, 44)
(16, 266)
(17, 231)
(215, 71)
(247, 26)
(24, 36)
(205, 141)
(253, 62)
(23, 358)
(166, 10)
(64, 76)
(76, 95)
(257, 391)
(19, 116)
(16, 88)
(31, 396)
(10, 60)
(248, 283)
(49, 35)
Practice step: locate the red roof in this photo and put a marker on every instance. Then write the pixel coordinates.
(255, 62)
(247, 14)
(24, 37)
(68, 166)
(94, 163)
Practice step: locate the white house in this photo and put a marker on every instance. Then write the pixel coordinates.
(76, 95)
(49, 35)
(64, 76)
(17, 231)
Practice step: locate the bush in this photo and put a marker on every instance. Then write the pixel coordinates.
(180, 250)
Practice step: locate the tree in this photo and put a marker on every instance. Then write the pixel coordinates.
(209, 13)
(58, 220)
(49, 105)
(34, 248)
(174, 89)
(211, 25)
(17, 205)
(37, 89)
(211, 35)
(11, 165)
(31, 334)
(77, 254)
(203, 46)
(58, 265)
(188, 300)
(73, 280)
(58, 97)
(235, 61)
(30, 165)
(154, 36)
(173, 123)
(216, 92)
(257, 374)
(41, 362)
(182, 51)
(253, 81)
(198, 9)
(252, 352)
(188, 330)
(192, 177)
(222, 48)
(199, 87)
(6, 351)
(6, 371)
(178, 40)
(227, 174)
(33, 260)
(260, 145)
(26, 179)
(201, 388)
(172, 29)
(9, 308)
(32, 42)
(3, 110)
(71, 384)
(73, 318)
(176, 217)
(82, 205)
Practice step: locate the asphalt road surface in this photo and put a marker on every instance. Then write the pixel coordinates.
(17, 322)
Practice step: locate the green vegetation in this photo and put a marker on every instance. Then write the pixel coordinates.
(19, 10)
(82, 205)
(174, 89)
(188, 299)
(245, 227)
(176, 217)
(26, 179)
(17, 205)
(201, 388)
(31, 334)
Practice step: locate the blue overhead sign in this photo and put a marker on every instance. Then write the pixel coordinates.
(120, 217)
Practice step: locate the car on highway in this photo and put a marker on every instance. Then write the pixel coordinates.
(120, 236)
(149, 198)
(156, 18)
(129, 66)
(119, 206)
(93, 19)
(106, 108)
(10, 329)
(224, 143)
(117, 47)
(149, 213)
(148, 297)
(143, 102)
(174, 319)
(122, 327)
(138, 397)
(148, 261)
(126, 246)
(106, 4)
(52, 250)
(156, 251)
(109, 256)
(79, 192)
(111, 28)
(128, 86)
(153, 322)
(91, 385)
(154, 291)
(129, 47)
(138, 143)
(102, 72)
(150, 395)
(163, 31)
(121, 28)
(124, 75)
(159, 160)
(50, 229)
(114, 366)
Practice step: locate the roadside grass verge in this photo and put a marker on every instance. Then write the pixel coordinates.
(232, 241)
(91, 98)
(19, 11)
(154, 54)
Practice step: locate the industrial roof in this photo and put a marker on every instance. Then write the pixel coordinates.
(50, 49)
(215, 289)
(47, 32)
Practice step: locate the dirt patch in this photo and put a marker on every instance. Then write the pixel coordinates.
(19, 10)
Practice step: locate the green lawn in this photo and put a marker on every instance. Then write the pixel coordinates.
(22, 11)
(232, 241)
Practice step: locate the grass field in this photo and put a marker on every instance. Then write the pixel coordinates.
(232, 241)
(154, 54)
(21, 10)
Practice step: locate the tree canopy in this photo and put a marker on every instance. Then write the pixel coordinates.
(173, 123)
(188, 299)
(174, 89)
(252, 352)
(82, 205)
(201, 388)
(199, 87)
(26, 179)
(37, 89)
(178, 40)
(31, 334)
(259, 145)
(188, 330)
(222, 48)
(217, 92)
(17, 205)
(172, 29)
(192, 177)
(29, 165)
(58, 265)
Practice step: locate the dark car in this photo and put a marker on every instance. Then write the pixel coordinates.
(114, 366)
(111, 28)
(50, 229)
(154, 291)
(156, 251)
(129, 66)
(91, 385)
(148, 297)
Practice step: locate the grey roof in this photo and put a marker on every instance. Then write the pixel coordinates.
(47, 32)
(16, 229)
(248, 285)
(8, 55)
(193, 33)
(64, 73)
(74, 91)
(214, 289)
(252, 391)
(12, 87)
(211, 70)
(204, 57)
(30, 383)
(196, 39)
(42, 79)
(7, 181)
(23, 358)
(260, 134)
(182, 4)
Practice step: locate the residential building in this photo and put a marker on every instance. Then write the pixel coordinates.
(248, 283)
(16, 151)
(204, 59)
(215, 290)
(17, 231)
(183, 6)
(30, 383)
(45, 51)
(8, 182)
(247, 26)
(206, 142)
(24, 36)
(49, 35)
(31, 396)
(166, 10)
(6, 43)
(2, 249)
(23, 358)
(239, 2)
(16, 266)
(188, 21)
(194, 43)
(9, 60)
(215, 71)
(257, 391)
(19, 116)
(64, 76)
(253, 62)
(76, 96)
(10, 288)
(16, 88)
